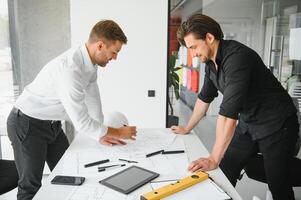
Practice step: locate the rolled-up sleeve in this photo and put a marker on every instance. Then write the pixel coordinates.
(72, 94)
(237, 80)
(208, 91)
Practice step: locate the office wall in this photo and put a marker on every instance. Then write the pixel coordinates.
(141, 64)
(39, 31)
(245, 20)
(243, 24)
(190, 7)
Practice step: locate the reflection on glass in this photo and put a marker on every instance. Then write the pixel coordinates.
(263, 25)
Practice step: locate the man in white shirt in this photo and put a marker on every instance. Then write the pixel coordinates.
(65, 89)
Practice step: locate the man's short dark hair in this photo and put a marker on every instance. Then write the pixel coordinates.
(199, 25)
(107, 30)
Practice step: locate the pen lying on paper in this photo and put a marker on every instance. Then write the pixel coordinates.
(97, 163)
(173, 152)
(128, 161)
(104, 168)
(154, 153)
(164, 152)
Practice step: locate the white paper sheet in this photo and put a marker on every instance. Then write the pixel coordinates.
(206, 190)
(99, 192)
(169, 166)
(145, 143)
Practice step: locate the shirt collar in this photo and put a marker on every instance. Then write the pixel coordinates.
(219, 54)
(89, 66)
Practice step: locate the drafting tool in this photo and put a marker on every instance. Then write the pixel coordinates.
(97, 163)
(128, 161)
(101, 169)
(154, 153)
(173, 152)
(175, 187)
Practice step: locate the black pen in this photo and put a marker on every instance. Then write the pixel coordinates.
(128, 161)
(108, 166)
(97, 163)
(173, 152)
(154, 153)
(101, 169)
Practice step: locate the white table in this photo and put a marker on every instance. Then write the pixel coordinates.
(194, 147)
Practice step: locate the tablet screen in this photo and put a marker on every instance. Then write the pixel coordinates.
(129, 179)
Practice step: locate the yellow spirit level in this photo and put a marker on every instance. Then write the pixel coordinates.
(175, 187)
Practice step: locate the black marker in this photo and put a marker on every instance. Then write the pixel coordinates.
(154, 153)
(97, 163)
(173, 152)
(128, 161)
(104, 168)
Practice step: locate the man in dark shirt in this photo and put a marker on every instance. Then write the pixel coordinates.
(252, 96)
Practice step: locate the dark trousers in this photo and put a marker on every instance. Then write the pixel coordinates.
(8, 176)
(277, 151)
(34, 141)
(255, 170)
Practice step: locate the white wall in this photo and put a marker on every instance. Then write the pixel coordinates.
(142, 63)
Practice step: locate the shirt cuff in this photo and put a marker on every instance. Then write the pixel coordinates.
(101, 132)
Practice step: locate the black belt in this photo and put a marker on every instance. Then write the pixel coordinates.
(18, 112)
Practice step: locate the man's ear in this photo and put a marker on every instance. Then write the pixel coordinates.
(100, 44)
(210, 38)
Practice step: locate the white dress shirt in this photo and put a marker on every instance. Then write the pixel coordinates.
(66, 89)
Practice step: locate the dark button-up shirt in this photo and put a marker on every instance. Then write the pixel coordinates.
(250, 91)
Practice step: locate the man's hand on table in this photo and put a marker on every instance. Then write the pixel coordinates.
(203, 164)
(179, 130)
(114, 136)
(110, 141)
(127, 132)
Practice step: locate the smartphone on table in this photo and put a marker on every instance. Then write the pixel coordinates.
(68, 180)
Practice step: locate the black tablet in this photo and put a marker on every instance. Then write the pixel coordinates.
(68, 180)
(129, 179)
